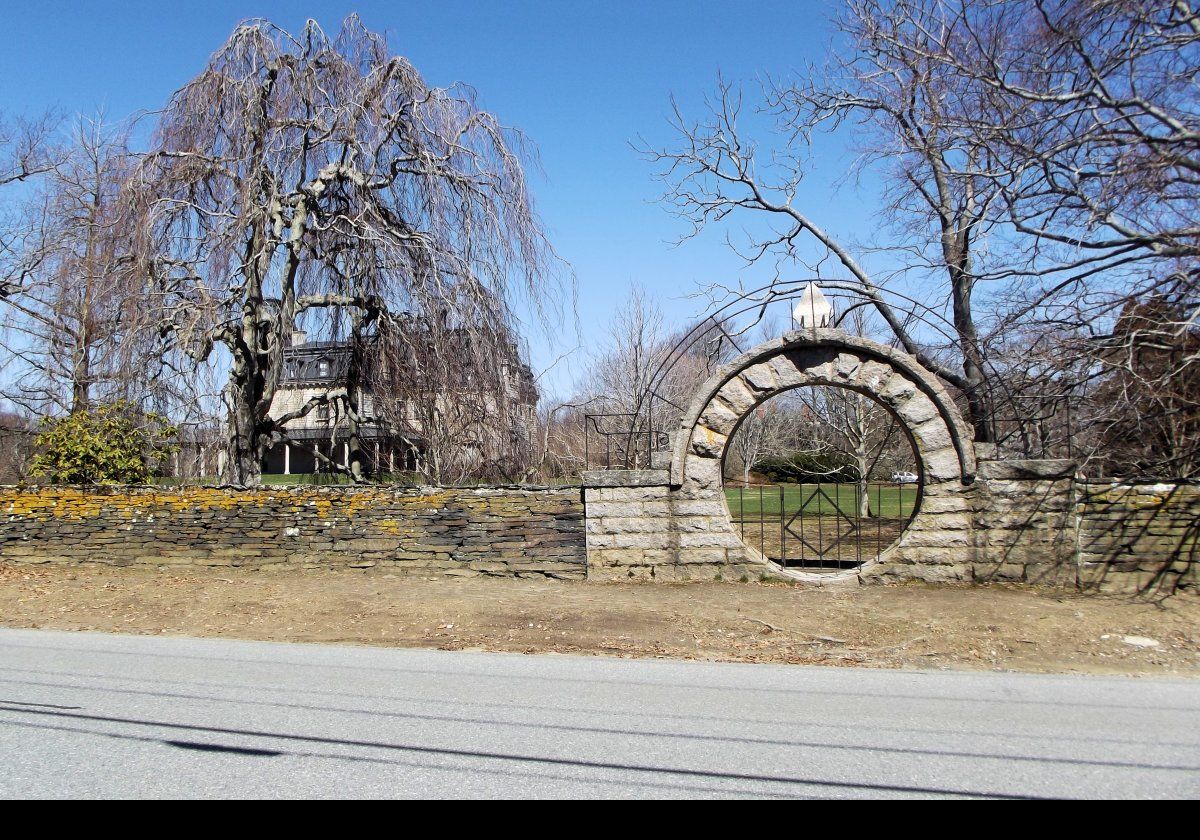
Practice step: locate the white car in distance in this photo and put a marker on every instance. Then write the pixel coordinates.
(905, 478)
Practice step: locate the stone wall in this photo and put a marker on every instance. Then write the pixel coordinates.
(1024, 522)
(639, 527)
(1015, 522)
(521, 532)
(1029, 521)
(1138, 537)
(1019, 521)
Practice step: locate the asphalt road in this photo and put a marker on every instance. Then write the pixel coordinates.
(89, 715)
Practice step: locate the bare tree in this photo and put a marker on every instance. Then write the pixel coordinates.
(463, 417)
(639, 382)
(1087, 123)
(1144, 407)
(17, 433)
(770, 429)
(1044, 150)
(71, 307)
(854, 425)
(27, 147)
(319, 180)
(714, 173)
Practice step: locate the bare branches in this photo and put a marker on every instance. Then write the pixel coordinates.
(73, 316)
(27, 147)
(714, 173)
(319, 179)
(1037, 158)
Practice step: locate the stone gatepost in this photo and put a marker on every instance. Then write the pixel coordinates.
(639, 527)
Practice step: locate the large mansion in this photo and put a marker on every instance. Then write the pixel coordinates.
(390, 431)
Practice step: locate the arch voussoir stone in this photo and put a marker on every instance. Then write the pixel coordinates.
(825, 357)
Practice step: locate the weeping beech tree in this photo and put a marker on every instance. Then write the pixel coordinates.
(320, 181)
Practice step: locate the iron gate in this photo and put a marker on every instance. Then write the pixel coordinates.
(823, 527)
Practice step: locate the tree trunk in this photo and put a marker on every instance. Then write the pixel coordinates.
(354, 461)
(956, 249)
(242, 457)
(244, 396)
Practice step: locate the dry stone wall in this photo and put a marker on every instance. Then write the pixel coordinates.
(509, 532)
(1138, 537)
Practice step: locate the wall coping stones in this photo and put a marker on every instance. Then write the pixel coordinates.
(1027, 470)
(626, 478)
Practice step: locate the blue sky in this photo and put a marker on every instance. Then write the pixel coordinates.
(581, 79)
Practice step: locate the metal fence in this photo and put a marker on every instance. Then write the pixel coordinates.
(822, 526)
(618, 441)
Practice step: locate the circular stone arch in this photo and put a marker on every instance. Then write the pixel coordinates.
(940, 437)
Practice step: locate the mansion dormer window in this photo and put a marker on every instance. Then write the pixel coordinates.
(323, 368)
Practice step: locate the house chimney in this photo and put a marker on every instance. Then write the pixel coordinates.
(299, 337)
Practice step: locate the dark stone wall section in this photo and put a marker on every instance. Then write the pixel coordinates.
(462, 532)
(1139, 537)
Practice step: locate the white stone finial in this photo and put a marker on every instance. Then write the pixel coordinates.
(814, 310)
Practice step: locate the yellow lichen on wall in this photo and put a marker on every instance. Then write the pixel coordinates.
(472, 532)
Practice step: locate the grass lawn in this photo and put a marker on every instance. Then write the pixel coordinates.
(767, 501)
(272, 480)
(305, 478)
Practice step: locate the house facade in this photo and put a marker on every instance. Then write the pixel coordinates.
(390, 431)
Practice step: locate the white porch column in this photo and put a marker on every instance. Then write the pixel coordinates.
(345, 455)
(287, 459)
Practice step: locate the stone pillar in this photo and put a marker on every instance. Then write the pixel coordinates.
(1024, 521)
(638, 526)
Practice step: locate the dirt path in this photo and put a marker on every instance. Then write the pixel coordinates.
(901, 626)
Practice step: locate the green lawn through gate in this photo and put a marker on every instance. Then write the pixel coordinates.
(891, 501)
